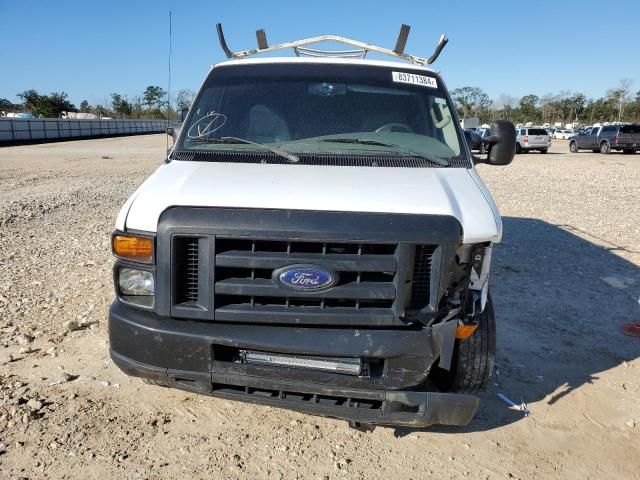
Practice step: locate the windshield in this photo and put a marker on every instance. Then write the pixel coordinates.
(333, 109)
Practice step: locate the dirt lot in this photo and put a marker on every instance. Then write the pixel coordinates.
(564, 280)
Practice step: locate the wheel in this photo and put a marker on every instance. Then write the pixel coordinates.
(482, 149)
(573, 147)
(544, 150)
(596, 150)
(628, 152)
(605, 148)
(518, 148)
(473, 358)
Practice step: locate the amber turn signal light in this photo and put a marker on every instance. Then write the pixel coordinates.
(136, 249)
(465, 331)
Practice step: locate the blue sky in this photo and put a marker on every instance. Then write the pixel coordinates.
(91, 49)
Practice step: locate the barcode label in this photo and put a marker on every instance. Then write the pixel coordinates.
(413, 79)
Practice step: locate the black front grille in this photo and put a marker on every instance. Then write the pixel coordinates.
(407, 161)
(244, 287)
(244, 284)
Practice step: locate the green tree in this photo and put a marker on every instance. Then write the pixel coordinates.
(8, 106)
(471, 101)
(85, 107)
(48, 106)
(120, 105)
(528, 108)
(577, 105)
(600, 110)
(184, 99)
(154, 96)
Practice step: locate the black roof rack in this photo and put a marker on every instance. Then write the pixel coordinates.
(301, 48)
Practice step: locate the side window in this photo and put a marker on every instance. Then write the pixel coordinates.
(523, 131)
(594, 130)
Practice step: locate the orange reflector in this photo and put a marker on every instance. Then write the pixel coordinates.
(137, 249)
(465, 331)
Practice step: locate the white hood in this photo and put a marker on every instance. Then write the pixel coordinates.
(458, 192)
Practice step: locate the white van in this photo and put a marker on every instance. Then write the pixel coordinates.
(317, 239)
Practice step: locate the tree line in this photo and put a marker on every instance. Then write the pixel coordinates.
(152, 103)
(617, 105)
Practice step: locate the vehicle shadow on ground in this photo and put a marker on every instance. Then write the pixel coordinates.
(560, 301)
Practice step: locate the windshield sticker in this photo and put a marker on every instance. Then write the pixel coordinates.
(421, 80)
(206, 125)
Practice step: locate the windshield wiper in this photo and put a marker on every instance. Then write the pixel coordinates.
(364, 141)
(236, 140)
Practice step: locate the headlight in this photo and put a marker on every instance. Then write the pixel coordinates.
(136, 282)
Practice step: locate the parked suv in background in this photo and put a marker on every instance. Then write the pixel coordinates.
(605, 138)
(532, 138)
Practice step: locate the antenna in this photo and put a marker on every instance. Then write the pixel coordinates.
(169, 81)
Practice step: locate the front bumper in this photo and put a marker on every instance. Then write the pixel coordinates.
(182, 354)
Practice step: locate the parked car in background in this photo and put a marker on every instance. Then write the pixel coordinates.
(532, 138)
(563, 134)
(473, 139)
(605, 138)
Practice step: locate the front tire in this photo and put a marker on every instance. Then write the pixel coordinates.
(473, 358)
(573, 147)
(605, 148)
(518, 148)
(544, 150)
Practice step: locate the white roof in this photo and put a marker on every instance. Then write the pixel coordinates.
(324, 60)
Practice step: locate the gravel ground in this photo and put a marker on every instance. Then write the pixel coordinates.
(564, 280)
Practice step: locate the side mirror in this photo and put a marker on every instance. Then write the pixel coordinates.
(173, 132)
(502, 143)
(183, 113)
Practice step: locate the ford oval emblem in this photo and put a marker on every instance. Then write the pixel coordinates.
(306, 277)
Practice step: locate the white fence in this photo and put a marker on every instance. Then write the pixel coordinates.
(15, 130)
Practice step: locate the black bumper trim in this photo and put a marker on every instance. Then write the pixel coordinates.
(188, 345)
(379, 407)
